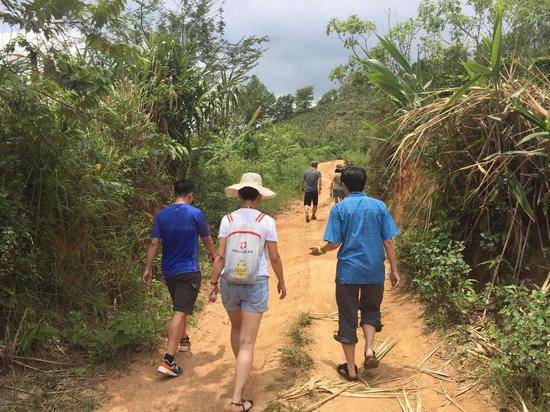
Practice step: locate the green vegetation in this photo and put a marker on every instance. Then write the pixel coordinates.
(94, 130)
(295, 360)
(465, 168)
(436, 270)
(294, 355)
(95, 127)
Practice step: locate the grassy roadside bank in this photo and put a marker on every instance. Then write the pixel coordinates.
(295, 361)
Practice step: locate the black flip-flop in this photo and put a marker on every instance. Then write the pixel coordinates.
(242, 404)
(371, 362)
(343, 371)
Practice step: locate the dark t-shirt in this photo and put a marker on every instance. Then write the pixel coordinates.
(311, 179)
(179, 226)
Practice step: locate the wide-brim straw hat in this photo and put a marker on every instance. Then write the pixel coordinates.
(253, 180)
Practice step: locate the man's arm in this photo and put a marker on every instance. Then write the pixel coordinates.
(151, 253)
(394, 274)
(320, 181)
(277, 265)
(208, 243)
(321, 250)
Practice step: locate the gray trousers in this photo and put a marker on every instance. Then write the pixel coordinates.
(350, 298)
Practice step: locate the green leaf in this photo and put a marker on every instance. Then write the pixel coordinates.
(517, 108)
(496, 44)
(396, 55)
(532, 136)
(519, 194)
(475, 67)
(464, 89)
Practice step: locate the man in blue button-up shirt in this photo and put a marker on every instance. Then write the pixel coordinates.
(361, 228)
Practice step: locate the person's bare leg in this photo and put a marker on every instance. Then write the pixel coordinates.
(369, 332)
(314, 211)
(184, 328)
(236, 322)
(349, 352)
(249, 331)
(175, 328)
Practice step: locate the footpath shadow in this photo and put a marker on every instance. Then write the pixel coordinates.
(385, 371)
(213, 393)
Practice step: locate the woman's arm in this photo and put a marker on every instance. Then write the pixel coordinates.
(217, 268)
(277, 265)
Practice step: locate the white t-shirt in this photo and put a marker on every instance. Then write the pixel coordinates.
(247, 216)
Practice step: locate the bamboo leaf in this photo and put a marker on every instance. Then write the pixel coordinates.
(519, 194)
(396, 55)
(496, 45)
(475, 67)
(464, 89)
(515, 107)
(532, 136)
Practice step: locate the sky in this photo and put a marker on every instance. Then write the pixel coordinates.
(299, 52)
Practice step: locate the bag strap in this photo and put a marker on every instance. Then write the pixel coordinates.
(230, 218)
(260, 217)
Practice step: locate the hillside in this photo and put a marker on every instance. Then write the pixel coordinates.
(346, 126)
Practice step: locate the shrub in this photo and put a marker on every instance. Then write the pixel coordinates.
(138, 328)
(521, 336)
(435, 267)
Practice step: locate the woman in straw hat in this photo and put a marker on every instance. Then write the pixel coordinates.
(246, 303)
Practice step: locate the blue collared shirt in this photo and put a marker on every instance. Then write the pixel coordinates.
(360, 224)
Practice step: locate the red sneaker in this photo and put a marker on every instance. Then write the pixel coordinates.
(170, 369)
(185, 344)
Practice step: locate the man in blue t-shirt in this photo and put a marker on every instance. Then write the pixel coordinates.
(179, 226)
(361, 228)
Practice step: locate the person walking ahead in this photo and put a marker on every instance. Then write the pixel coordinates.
(311, 186)
(336, 187)
(179, 227)
(361, 228)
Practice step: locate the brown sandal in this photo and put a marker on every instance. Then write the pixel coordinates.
(343, 371)
(371, 362)
(241, 404)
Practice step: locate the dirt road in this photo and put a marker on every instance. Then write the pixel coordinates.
(208, 369)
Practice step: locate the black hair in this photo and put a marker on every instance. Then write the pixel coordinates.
(183, 187)
(314, 164)
(354, 178)
(248, 193)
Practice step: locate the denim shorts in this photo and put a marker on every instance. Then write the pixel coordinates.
(247, 298)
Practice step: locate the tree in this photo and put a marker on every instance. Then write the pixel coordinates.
(283, 107)
(255, 96)
(329, 97)
(304, 98)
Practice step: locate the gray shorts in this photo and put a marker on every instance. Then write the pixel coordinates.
(247, 298)
(184, 289)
